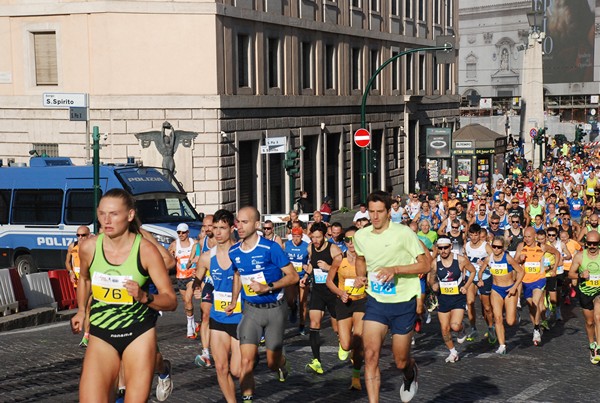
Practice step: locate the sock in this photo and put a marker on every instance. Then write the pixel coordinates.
(356, 373)
(247, 398)
(536, 327)
(314, 343)
(453, 351)
(205, 352)
(190, 320)
(86, 335)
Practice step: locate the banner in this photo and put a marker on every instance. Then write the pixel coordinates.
(438, 142)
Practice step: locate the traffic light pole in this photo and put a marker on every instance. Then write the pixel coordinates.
(96, 163)
(363, 114)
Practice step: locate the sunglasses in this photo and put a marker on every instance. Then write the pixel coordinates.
(592, 243)
(515, 222)
(495, 222)
(349, 239)
(497, 246)
(81, 235)
(444, 247)
(455, 227)
(182, 232)
(552, 235)
(268, 228)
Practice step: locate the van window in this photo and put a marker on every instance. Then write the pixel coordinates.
(37, 207)
(79, 207)
(4, 206)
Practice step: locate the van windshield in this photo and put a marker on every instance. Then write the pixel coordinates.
(165, 208)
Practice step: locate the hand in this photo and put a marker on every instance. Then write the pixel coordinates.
(522, 259)
(302, 282)
(323, 266)
(229, 309)
(480, 283)
(512, 291)
(463, 290)
(77, 322)
(385, 274)
(344, 297)
(73, 277)
(585, 274)
(134, 290)
(360, 282)
(197, 292)
(258, 287)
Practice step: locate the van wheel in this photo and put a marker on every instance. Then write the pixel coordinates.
(25, 265)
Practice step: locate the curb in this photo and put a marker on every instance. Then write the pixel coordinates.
(34, 317)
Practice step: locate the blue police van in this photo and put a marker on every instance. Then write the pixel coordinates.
(41, 206)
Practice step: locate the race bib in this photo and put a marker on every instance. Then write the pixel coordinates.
(498, 269)
(350, 289)
(298, 266)
(379, 287)
(320, 276)
(249, 278)
(593, 281)
(110, 289)
(560, 270)
(449, 287)
(532, 267)
(76, 269)
(223, 299)
(590, 190)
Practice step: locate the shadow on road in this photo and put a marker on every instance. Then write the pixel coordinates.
(464, 392)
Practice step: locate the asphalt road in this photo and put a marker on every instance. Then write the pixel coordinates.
(43, 365)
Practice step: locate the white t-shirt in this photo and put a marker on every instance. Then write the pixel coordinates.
(359, 214)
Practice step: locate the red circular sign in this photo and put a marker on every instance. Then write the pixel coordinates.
(362, 138)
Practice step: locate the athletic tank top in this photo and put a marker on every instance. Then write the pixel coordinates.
(591, 286)
(533, 263)
(182, 255)
(515, 240)
(223, 283)
(475, 254)
(450, 278)
(504, 223)
(346, 275)
(458, 243)
(75, 262)
(112, 307)
(319, 277)
(298, 255)
(501, 267)
(533, 211)
(205, 248)
(482, 223)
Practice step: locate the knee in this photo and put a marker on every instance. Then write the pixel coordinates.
(589, 322)
(510, 321)
(456, 327)
(401, 363)
(371, 356)
(222, 368)
(247, 364)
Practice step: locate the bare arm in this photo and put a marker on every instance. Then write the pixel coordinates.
(574, 270)
(164, 253)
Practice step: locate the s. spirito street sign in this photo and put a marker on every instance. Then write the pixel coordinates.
(63, 100)
(362, 138)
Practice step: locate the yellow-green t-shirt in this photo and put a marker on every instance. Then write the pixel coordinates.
(398, 245)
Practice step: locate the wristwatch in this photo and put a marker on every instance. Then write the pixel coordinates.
(270, 288)
(149, 299)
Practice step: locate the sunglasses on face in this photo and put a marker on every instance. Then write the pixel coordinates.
(592, 243)
(453, 227)
(495, 222)
(497, 246)
(552, 235)
(349, 239)
(182, 232)
(82, 235)
(514, 222)
(267, 228)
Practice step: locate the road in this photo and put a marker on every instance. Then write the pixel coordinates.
(43, 365)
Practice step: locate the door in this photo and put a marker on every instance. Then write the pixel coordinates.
(332, 158)
(247, 176)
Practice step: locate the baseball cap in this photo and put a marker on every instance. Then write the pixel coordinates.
(183, 227)
(297, 231)
(444, 241)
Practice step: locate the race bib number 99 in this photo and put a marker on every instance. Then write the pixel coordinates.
(110, 289)
(222, 301)
(379, 287)
(249, 278)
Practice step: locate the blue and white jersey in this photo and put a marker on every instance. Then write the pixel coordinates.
(298, 255)
(223, 283)
(341, 244)
(263, 264)
(475, 255)
(201, 250)
(504, 224)
(482, 223)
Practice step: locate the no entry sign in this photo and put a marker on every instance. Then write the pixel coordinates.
(362, 138)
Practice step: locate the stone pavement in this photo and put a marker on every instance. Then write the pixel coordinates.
(42, 364)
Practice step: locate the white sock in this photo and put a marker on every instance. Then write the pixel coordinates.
(205, 352)
(453, 351)
(190, 320)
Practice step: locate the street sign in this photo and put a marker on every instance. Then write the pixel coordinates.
(274, 145)
(77, 114)
(533, 132)
(59, 100)
(362, 138)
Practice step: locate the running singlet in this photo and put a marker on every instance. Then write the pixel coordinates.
(263, 264)
(223, 283)
(534, 211)
(75, 263)
(298, 255)
(182, 255)
(475, 254)
(112, 307)
(515, 240)
(458, 243)
(205, 248)
(533, 263)
(590, 286)
(346, 275)
(482, 223)
(319, 276)
(501, 267)
(450, 278)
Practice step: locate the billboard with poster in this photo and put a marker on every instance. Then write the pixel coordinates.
(438, 142)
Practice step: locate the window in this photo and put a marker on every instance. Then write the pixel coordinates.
(356, 69)
(306, 64)
(243, 60)
(409, 71)
(37, 207)
(330, 67)
(422, 72)
(421, 10)
(374, 65)
(356, 3)
(448, 76)
(46, 67)
(46, 149)
(4, 206)
(408, 8)
(449, 13)
(375, 5)
(436, 77)
(436, 12)
(395, 72)
(471, 70)
(273, 62)
(395, 8)
(79, 208)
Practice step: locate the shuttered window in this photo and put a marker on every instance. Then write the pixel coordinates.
(46, 70)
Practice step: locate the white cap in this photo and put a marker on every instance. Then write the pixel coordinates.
(444, 241)
(183, 227)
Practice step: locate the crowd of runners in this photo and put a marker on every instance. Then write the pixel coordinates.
(531, 239)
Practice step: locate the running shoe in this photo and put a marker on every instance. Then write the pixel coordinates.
(558, 315)
(461, 336)
(412, 341)
(573, 292)
(84, 342)
(191, 332)
(519, 303)
(501, 350)
(452, 357)
(594, 357)
(472, 334)
(544, 324)
(431, 302)
(164, 386)
(302, 330)
(428, 318)
(282, 373)
(262, 341)
(355, 385)
(315, 366)
(120, 396)
(343, 354)
(418, 325)
(408, 390)
(492, 338)
(203, 361)
(537, 337)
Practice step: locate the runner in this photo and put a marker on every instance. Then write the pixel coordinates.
(297, 294)
(350, 308)
(323, 256)
(116, 334)
(554, 283)
(262, 270)
(225, 314)
(586, 268)
(268, 232)
(447, 276)
(505, 290)
(181, 249)
(72, 266)
(392, 257)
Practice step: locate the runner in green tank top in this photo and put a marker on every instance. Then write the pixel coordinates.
(115, 267)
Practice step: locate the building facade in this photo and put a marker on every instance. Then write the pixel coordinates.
(237, 72)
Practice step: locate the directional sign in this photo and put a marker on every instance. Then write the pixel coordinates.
(274, 145)
(60, 100)
(362, 138)
(533, 132)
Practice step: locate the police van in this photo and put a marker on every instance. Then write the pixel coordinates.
(42, 205)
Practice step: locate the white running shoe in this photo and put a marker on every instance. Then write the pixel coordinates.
(164, 386)
(501, 350)
(452, 357)
(461, 336)
(428, 318)
(537, 337)
(408, 390)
